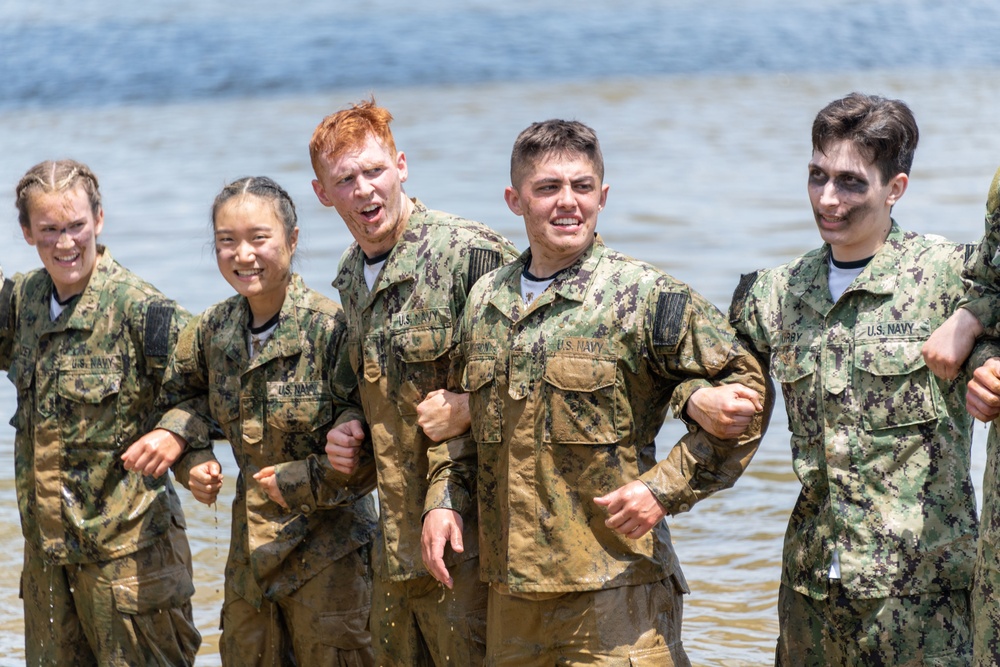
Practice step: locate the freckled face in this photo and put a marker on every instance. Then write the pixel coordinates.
(63, 229)
(365, 185)
(559, 198)
(254, 254)
(850, 203)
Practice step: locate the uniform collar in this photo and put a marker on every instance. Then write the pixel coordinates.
(83, 314)
(283, 342)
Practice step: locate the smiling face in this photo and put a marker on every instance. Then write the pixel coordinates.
(365, 185)
(851, 205)
(63, 229)
(559, 197)
(254, 253)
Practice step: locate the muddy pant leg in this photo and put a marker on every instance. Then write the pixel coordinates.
(327, 618)
(453, 622)
(630, 625)
(53, 634)
(395, 636)
(935, 628)
(252, 636)
(136, 610)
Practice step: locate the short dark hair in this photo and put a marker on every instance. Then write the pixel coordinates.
(562, 137)
(883, 130)
(263, 188)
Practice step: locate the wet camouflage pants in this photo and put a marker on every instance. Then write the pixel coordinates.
(420, 623)
(986, 606)
(629, 626)
(134, 610)
(933, 629)
(324, 622)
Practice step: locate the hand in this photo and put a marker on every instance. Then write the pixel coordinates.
(441, 526)
(205, 482)
(154, 453)
(726, 410)
(983, 397)
(343, 446)
(632, 510)
(269, 482)
(951, 344)
(443, 415)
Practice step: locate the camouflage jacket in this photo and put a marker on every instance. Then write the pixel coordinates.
(880, 445)
(400, 340)
(86, 386)
(567, 396)
(275, 410)
(983, 297)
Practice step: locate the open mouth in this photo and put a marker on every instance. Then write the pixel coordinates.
(67, 259)
(565, 222)
(249, 273)
(370, 212)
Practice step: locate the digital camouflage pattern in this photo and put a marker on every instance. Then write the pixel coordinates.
(86, 386)
(983, 299)
(930, 629)
(401, 334)
(400, 340)
(567, 396)
(107, 575)
(880, 445)
(275, 409)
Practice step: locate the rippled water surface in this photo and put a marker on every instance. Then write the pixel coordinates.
(704, 119)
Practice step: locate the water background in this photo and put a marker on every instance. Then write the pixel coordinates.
(703, 110)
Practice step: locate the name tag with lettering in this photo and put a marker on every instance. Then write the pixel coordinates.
(892, 329)
(589, 346)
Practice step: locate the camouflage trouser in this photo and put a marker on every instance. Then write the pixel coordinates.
(324, 622)
(419, 622)
(133, 610)
(637, 626)
(986, 606)
(931, 629)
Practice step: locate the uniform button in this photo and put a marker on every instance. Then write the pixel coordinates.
(684, 507)
(305, 509)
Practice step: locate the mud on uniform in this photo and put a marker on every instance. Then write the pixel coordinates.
(882, 450)
(298, 584)
(107, 569)
(567, 395)
(400, 340)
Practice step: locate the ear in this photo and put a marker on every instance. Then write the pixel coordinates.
(26, 231)
(604, 197)
(321, 193)
(897, 186)
(401, 166)
(513, 200)
(293, 240)
(99, 222)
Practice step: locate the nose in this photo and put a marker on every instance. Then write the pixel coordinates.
(828, 194)
(245, 252)
(65, 239)
(363, 187)
(566, 199)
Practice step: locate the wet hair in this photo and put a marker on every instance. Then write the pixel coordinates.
(884, 131)
(263, 188)
(55, 176)
(347, 129)
(559, 137)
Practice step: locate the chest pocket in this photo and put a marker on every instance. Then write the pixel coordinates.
(298, 407)
(894, 384)
(484, 405)
(224, 397)
(88, 389)
(581, 400)
(419, 356)
(21, 373)
(795, 368)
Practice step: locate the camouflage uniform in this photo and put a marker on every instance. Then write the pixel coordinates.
(567, 396)
(882, 449)
(400, 339)
(983, 299)
(107, 570)
(305, 566)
